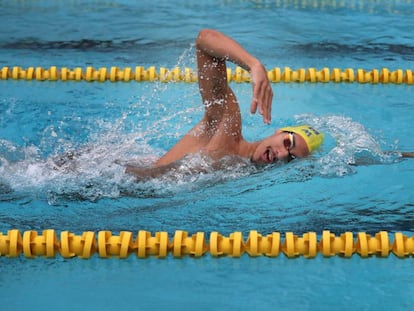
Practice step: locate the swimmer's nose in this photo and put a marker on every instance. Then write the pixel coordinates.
(282, 154)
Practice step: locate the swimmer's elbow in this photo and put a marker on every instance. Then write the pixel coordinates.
(205, 35)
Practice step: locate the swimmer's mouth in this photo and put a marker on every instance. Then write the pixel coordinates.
(268, 156)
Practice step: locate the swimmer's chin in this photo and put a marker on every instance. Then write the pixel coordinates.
(262, 164)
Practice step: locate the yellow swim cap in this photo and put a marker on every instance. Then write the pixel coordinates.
(312, 137)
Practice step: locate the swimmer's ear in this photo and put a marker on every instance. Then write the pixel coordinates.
(278, 131)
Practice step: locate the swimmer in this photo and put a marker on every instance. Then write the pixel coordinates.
(219, 133)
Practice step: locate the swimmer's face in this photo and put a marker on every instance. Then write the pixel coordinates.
(281, 146)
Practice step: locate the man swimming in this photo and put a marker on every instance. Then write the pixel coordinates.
(219, 133)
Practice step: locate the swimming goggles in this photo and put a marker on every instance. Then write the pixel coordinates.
(289, 143)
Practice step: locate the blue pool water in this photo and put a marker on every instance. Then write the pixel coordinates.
(102, 123)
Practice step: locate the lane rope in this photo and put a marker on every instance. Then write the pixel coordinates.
(177, 74)
(105, 244)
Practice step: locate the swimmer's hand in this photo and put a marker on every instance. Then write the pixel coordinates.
(407, 154)
(402, 154)
(262, 92)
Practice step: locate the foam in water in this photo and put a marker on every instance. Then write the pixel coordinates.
(93, 171)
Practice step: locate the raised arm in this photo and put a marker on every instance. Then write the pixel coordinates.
(213, 50)
(219, 131)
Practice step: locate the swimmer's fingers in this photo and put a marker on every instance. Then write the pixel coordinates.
(267, 115)
(262, 93)
(262, 100)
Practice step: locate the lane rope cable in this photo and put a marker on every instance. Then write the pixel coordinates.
(177, 74)
(33, 244)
